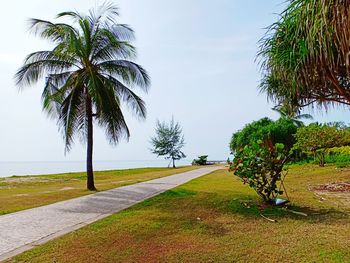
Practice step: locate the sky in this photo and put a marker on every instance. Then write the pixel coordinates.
(200, 55)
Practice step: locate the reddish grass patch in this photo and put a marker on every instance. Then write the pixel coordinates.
(334, 187)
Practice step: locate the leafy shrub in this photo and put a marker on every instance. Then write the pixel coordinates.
(261, 149)
(280, 131)
(251, 133)
(260, 165)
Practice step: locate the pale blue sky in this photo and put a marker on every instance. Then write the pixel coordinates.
(199, 53)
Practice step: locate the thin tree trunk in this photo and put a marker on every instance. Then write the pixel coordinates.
(174, 163)
(89, 168)
(322, 159)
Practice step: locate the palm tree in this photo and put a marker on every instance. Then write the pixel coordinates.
(305, 54)
(88, 74)
(288, 111)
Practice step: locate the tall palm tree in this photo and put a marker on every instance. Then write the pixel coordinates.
(88, 74)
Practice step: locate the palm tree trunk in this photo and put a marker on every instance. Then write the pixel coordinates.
(89, 168)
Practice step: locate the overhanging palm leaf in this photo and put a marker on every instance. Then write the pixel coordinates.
(305, 55)
(89, 73)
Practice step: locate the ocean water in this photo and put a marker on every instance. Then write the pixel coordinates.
(37, 168)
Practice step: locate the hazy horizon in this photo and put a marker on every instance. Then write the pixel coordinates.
(200, 56)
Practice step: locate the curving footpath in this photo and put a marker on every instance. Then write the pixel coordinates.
(26, 229)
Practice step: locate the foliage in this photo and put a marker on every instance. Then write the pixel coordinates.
(343, 150)
(202, 160)
(261, 149)
(260, 165)
(251, 132)
(340, 160)
(168, 141)
(318, 139)
(305, 54)
(339, 156)
(280, 131)
(292, 113)
(88, 74)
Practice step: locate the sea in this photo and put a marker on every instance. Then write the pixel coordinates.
(8, 169)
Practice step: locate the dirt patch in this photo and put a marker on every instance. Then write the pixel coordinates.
(67, 188)
(334, 188)
(335, 193)
(19, 195)
(26, 180)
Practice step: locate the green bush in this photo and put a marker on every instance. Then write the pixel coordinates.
(260, 165)
(261, 150)
(280, 131)
(340, 156)
(202, 160)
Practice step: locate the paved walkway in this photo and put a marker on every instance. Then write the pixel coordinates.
(26, 229)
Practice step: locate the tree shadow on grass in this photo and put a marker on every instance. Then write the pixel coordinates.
(247, 205)
(253, 207)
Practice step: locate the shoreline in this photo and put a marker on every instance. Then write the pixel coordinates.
(44, 168)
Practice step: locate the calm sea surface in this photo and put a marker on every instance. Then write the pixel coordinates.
(36, 168)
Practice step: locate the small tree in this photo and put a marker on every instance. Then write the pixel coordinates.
(260, 165)
(168, 141)
(261, 150)
(316, 139)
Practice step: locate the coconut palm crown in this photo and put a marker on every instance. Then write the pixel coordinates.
(88, 74)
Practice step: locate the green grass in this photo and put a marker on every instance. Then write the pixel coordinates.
(215, 219)
(23, 192)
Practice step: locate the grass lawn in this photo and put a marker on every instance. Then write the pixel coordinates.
(216, 219)
(22, 192)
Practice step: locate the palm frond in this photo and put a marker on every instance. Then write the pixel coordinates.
(72, 14)
(71, 116)
(110, 115)
(48, 30)
(304, 116)
(130, 72)
(122, 32)
(105, 51)
(133, 101)
(54, 92)
(105, 13)
(32, 72)
(304, 55)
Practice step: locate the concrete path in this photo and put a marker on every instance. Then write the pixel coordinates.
(26, 229)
